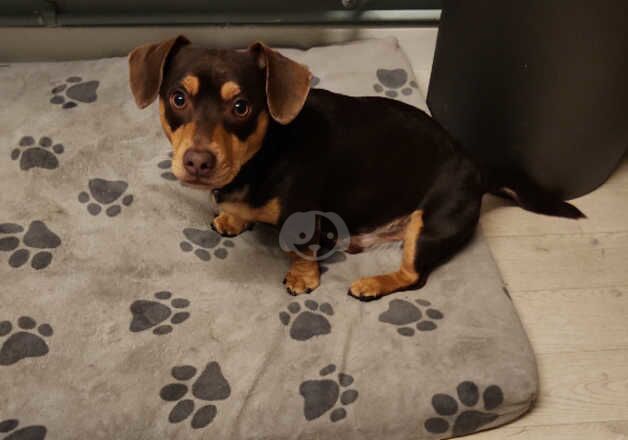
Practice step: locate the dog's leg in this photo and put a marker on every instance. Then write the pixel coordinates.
(237, 217)
(431, 237)
(304, 273)
(229, 225)
(407, 276)
(303, 276)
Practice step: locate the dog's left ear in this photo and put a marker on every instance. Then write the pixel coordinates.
(146, 68)
(287, 83)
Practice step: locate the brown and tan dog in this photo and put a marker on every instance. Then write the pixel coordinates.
(245, 125)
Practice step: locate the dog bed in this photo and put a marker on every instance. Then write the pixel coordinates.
(122, 316)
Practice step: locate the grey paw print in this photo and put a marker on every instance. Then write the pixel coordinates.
(470, 419)
(209, 386)
(391, 80)
(105, 192)
(403, 313)
(25, 343)
(43, 155)
(148, 314)
(37, 236)
(307, 323)
(166, 165)
(74, 90)
(203, 240)
(322, 395)
(33, 432)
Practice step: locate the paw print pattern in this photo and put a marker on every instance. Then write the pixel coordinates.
(148, 314)
(166, 165)
(322, 395)
(23, 344)
(307, 323)
(209, 386)
(203, 240)
(389, 81)
(33, 432)
(403, 313)
(38, 236)
(74, 90)
(43, 155)
(105, 192)
(470, 419)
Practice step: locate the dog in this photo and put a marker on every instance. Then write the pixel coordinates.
(245, 125)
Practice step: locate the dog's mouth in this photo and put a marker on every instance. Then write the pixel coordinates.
(204, 183)
(196, 182)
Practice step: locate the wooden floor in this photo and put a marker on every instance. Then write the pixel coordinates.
(569, 282)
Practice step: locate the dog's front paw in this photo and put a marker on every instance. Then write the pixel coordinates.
(301, 280)
(228, 225)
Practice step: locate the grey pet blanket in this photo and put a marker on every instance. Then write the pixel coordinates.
(123, 317)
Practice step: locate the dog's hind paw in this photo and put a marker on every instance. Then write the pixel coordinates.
(371, 288)
(365, 290)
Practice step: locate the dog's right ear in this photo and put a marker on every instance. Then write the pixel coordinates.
(146, 68)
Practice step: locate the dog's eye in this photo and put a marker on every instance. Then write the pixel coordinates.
(241, 108)
(177, 99)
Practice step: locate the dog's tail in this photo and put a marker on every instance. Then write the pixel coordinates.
(519, 187)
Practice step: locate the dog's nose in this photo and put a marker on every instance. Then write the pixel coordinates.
(198, 162)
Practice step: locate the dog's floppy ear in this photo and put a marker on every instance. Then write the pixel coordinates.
(287, 83)
(146, 68)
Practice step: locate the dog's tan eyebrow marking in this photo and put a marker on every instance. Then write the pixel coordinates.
(191, 84)
(229, 90)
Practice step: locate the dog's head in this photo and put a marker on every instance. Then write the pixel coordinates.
(215, 105)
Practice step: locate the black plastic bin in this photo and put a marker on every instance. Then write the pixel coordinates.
(537, 84)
